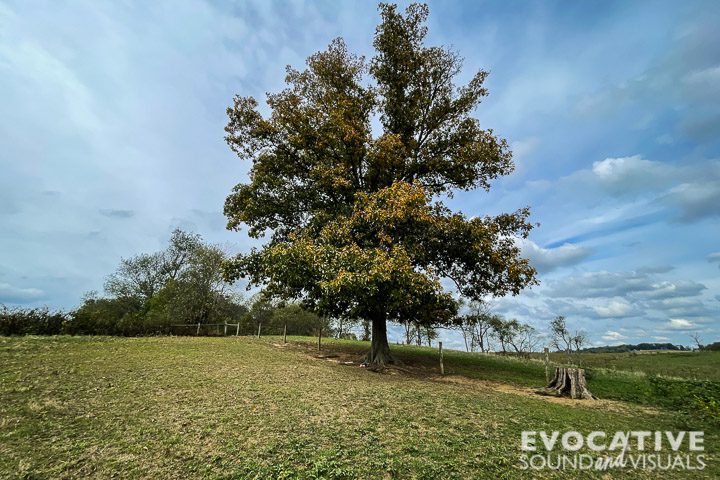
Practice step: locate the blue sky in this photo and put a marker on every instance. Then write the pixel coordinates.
(112, 135)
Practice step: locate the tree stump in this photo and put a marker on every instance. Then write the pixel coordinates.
(568, 382)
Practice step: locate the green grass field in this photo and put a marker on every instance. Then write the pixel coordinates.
(238, 407)
(686, 365)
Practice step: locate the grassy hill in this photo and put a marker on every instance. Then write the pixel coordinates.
(180, 407)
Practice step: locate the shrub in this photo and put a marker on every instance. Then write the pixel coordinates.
(30, 321)
(104, 316)
(693, 396)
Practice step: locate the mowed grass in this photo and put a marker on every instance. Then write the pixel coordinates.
(183, 407)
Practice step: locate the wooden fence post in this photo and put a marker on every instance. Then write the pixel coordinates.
(198, 329)
(259, 326)
(285, 333)
(546, 351)
(442, 366)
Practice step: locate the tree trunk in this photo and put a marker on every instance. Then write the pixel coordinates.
(366, 331)
(379, 355)
(568, 382)
(465, 338)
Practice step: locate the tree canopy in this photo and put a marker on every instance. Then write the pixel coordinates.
(149, 292)
(355, 218)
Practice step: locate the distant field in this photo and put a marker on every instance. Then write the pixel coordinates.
(689, 365)
(183, 407)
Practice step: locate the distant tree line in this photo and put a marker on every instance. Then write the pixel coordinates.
(637, 347)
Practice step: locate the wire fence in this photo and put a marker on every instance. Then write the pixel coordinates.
(241, 329)
(206, 329)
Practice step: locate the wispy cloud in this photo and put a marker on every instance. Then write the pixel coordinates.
(11, 294)
(548, 259)
(111, 213)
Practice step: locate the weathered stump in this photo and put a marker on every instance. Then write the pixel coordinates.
(568, 382)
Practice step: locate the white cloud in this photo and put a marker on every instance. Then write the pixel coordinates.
(680, 307)
(615, 309)
(640, 285)
(679, 288)
(639, 295)
(547, 259)
(521, 148)
(12, 294)
(709, 77)
(695, 200)
(620, 169)
(612, 336)
(690, 192)
(679, 323)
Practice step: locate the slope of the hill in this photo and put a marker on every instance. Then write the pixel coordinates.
(174, 407)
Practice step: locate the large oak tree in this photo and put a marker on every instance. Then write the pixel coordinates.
(354, 215)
